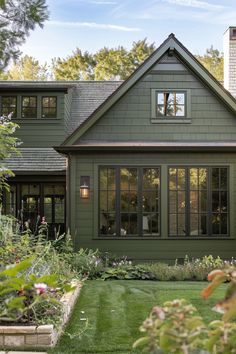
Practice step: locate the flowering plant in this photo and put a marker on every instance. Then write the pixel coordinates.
(24, 295)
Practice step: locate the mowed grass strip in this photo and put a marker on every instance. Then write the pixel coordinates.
(115, 310)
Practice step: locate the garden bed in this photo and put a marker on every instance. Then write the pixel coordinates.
(39, 336)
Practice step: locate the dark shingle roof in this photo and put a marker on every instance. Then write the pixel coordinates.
(37, 160)
(86, 97)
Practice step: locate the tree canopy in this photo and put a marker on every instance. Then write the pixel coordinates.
(17, 19)
(28, 68)
(106, 64)
(213, 60)
(118, 63)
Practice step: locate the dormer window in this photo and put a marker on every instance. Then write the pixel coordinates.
(49, 107)
(29, 107)
(9, 106)
(170, 104)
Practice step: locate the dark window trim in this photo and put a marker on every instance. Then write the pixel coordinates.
(186, 119)
(41, 196)
(14, 116)
(35, 107)
(209, 212)
(42, 107)
(139, 212)
(173, 92)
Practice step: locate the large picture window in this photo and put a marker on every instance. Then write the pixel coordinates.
(129, 200)
(198, 201)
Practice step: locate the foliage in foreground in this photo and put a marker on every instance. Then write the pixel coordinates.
(176, 328)
(17, 19)
(27, 298)
(8, 146)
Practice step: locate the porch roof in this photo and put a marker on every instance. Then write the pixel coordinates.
(150, 146)
(37, 160)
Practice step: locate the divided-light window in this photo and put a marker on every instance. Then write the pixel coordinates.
(170, 104)
(129, 201)
(29, 107)
(9, 106)
(49, 107)
(198, 201)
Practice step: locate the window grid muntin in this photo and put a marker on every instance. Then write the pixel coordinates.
(7, 107)
(139, 198)
(29, 107)
(175, 104)
(208, 202)
(49, 110)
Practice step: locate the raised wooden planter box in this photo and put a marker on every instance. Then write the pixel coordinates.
(38, 336)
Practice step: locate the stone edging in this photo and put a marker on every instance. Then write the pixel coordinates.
(39, 336)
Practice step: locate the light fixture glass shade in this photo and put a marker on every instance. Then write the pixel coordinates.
(84, 191)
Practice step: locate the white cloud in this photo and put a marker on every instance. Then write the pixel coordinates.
(93, 25)
(196, 4)
(98, 2)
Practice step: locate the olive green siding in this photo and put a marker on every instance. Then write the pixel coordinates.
(130, 118)
(67, 114)
(84, 217)
(41, 132)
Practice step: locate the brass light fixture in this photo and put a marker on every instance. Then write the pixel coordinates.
(84, 187)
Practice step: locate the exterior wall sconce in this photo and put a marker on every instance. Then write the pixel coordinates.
(84, 187)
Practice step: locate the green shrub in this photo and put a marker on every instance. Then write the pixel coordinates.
(26, 298)
(174, 328)
(86, 263)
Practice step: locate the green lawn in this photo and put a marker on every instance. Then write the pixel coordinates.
(116, 309)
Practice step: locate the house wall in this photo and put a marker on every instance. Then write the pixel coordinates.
(83, 213)
(41, 132)
(131, 117)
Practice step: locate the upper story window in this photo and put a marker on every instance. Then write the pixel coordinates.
(170, 104)
(9, 106)
(49, 107)
(29, 107)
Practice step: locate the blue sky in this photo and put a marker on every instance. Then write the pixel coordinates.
(93, 24)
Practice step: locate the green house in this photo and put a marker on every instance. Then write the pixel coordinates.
(144, 168)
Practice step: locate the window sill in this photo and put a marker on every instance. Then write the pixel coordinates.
(127, 238)
(170, 121)
(35, 120)
(159, 238)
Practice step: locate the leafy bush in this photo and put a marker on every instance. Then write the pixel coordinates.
(173, 328)
(127, 271)
(26, 298)
(86, 263)
(176, 328)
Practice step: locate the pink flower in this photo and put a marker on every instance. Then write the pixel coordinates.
(40, 288)
(43, 222)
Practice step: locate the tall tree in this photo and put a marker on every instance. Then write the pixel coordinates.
(28, 68)
(112, 64)
(213, 61)
(79, 66)
(17, 19)
(105, 64)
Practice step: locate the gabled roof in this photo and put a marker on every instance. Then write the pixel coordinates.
(171, 43)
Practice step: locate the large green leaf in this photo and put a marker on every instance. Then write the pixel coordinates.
(17, 268)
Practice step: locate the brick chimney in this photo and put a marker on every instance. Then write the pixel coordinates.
(230, 60)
